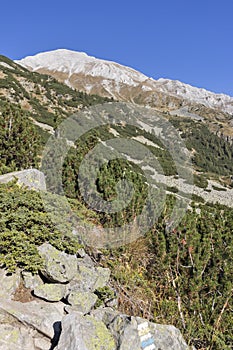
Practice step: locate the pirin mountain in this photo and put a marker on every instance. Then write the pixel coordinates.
(182, 277)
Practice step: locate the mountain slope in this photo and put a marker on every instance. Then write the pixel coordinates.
(41, 95)
(182, 277)
(112, 79)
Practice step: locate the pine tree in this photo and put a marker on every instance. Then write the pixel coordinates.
(19, 141)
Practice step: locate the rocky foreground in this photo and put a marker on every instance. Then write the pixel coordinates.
(71, 306)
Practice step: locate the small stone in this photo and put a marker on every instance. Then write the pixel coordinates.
(82, 301)
(103, 277)
(9, 284)
(81, 253)
(31, 281)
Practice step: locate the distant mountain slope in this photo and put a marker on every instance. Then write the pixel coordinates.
(42, 96)
(108, 78)
(47, 102)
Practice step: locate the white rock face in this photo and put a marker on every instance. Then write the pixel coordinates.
(72, 62)
(31, 178)
(113, 77)
(194, 94)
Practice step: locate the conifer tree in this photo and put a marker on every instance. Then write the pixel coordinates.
(19, 141)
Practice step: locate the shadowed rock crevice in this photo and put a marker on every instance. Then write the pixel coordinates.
(57, 333)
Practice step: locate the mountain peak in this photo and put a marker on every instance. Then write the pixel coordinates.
(110, 79)
(73, 62)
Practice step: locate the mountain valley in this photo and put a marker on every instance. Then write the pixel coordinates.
(170, 275)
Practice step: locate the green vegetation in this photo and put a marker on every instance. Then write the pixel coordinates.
(25, 224)
(103, 294)
(106, 182)
(183, 277)
(19, 141)
(211, 153)
(43, 95)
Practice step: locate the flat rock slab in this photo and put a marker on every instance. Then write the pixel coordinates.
(38, 315)
(31, 178)
(16, 336)
(50, 291)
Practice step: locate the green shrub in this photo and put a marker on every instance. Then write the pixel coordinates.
(25, 224)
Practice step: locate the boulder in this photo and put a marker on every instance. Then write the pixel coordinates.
(84, 280)
(88, 278)
(50, 291)
(82, 301)
(137, 333)
(103, 276)
(84, 333)
(31, 178)
(58, 266)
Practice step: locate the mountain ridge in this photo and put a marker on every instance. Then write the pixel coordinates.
(72, 67)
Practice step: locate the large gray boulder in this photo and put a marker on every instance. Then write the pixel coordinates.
(31, 178)
(137, 333)
(107, 329)
(84, 333)
(88, 278)
(58, 266)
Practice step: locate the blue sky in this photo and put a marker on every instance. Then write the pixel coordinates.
(188, 40)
